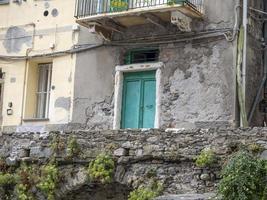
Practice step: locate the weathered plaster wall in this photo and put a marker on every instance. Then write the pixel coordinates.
(93, 90)
(198, 87)
(141, 155)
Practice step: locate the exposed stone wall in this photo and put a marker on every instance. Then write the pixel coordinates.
(164, 155)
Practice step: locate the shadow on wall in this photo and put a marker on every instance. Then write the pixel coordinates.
(113, 191)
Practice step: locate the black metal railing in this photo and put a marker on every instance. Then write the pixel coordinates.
(84, 8)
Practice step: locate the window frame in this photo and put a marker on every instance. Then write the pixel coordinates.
(38, 112)
(129, 56)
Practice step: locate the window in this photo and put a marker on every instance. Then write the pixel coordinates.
(4, 2)
(43, 91)
(142, 55)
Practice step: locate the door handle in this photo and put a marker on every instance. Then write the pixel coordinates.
(149, 106)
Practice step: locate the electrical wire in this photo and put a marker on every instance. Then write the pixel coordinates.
(54, 54)
(156, 40)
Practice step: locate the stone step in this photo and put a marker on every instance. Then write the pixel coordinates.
(205, 196)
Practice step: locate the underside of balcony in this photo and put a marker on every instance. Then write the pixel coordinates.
(118, 15)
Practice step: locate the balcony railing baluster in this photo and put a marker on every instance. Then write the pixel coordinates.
(84, 8)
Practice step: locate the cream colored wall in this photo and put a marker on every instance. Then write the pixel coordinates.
(13, 91)
(41, 33)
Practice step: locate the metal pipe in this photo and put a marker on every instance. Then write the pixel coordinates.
(264, 78)
(244, 60)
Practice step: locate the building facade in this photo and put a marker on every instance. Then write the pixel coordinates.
(126, 64)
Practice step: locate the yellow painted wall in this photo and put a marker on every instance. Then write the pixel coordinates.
(41, 33)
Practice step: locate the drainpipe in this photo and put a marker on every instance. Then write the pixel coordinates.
(264, 78)
(244, 60)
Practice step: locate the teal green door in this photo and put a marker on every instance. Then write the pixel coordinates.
(139, 98)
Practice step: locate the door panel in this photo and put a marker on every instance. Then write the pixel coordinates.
(139, 94)
(132, 89)
(149, 103)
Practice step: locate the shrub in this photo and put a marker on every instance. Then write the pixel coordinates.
(102, 168)
(206, 158)
(146, 193)
(243, 178)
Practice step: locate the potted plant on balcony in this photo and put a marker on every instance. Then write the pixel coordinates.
(118, 5)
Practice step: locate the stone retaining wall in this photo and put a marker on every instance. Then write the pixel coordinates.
(164, 155)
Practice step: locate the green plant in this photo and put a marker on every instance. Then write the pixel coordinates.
(256, 148)
(171, 2)
(26, 179)
(146, 193)
(206, 158)
(118, 5)
(244, 178)
(23, 193)
(102, 168)
(49, 180)
(7, 179)
(57, 144)
(73, 148)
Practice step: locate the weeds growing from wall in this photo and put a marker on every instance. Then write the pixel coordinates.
(73, 147)
(102, 169)
(149, 192)
(206, 158)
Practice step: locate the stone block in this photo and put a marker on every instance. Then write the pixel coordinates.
(205, 177)
(120, 152)
(11, 161)
(40, 152)
(187, 197)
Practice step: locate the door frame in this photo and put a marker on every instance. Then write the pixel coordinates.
(118, 91)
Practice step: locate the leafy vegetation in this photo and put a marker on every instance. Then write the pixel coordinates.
(206, 158)
(49, 180)
(256, 148)
(244, 178)
(171, 2)
(7, 179)
(118, 5)
(73, 148)
(146, 193)
(102, 169)
(57, 144)
(27, 179)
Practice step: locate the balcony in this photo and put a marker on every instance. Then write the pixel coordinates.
(117, 15)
